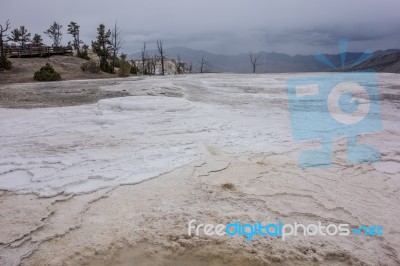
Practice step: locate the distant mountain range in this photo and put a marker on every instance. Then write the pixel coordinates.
(389, 63)
(269, 62)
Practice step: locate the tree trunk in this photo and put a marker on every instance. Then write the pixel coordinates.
(78, 44)
(2, 63)
(162, 65)
(115, 50)
(161, 52)
(113, 63)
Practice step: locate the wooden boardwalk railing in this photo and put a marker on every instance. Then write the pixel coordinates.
(36, 51)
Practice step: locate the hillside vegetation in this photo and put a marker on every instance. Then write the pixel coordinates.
(69, 68)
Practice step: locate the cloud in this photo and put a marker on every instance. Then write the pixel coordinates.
(223, 26)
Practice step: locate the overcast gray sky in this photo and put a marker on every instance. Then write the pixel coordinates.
(222, 26)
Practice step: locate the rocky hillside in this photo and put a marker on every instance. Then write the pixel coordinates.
(386, 63)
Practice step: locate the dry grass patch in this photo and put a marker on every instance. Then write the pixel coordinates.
(229, 186)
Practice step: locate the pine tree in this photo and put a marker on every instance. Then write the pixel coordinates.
(54, 33)
(20, 35)
(102, 47)
(73, 29)
(37, 40)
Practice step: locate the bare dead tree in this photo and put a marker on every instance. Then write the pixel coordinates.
(116, 42)
(203, 65)
(153, 64)
(190, 67)
(161, 55)
(180, 65)
(144, 57)
(3, 30)
(177, 65)
(254, 61)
